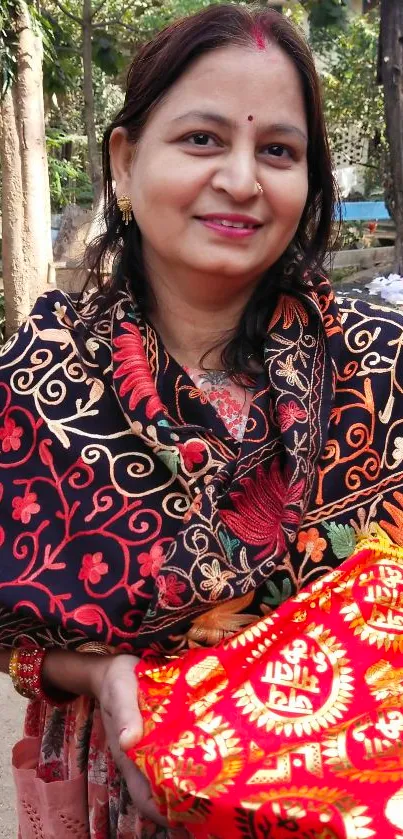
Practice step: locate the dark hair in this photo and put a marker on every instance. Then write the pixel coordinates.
(156, 67)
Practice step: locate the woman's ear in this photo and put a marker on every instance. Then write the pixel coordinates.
(121, 157)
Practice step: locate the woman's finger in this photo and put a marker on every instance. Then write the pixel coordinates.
(140, 791)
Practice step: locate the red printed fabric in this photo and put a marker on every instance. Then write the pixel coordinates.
(295, 725)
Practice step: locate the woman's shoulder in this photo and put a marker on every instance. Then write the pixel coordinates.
(64, 324)
(372, 354)
(356, 309)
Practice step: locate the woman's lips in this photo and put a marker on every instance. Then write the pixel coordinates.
(231, 228)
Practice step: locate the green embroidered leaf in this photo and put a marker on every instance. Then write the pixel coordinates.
(228, 544)
(163, 422)
(275, 596)
(343, 539)
(170, 459)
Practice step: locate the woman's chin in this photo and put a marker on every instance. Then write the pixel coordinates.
(230, 269)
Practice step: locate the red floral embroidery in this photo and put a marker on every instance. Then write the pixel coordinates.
(150, 563)
(169, 588)
(92, 568)
(288, 412)
(262, 508)
(10, 435)
(25, 507)
(135, 370)
(191, 452)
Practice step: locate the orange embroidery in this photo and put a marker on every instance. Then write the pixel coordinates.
(395, 531)
(310, 543)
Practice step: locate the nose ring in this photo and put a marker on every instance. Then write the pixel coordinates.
(259, 187)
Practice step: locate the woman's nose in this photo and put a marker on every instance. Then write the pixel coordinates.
(237, 176)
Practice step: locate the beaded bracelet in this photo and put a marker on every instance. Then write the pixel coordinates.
(25, 669)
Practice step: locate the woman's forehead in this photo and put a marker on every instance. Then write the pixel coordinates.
(237, 80)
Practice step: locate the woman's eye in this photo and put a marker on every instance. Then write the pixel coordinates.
(277, 150)
(200, 139)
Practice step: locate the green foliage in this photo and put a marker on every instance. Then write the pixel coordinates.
(351, 92)
(9, 11)
(68, 179)
(105, 53)
(352, 96)
(346, 47)
(8, 44)
(158, 15)
(325, 17)
(61, 64)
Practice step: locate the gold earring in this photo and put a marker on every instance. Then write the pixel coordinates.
(259, 187)
(125, 207)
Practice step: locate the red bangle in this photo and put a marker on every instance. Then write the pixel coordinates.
(25, 669)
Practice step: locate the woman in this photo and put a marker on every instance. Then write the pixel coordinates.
(197, 440)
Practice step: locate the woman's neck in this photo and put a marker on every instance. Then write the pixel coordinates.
(192, 325)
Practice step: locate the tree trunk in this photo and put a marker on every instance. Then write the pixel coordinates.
(15, 280)
(391, 56)
(27, 244)
(89, 109)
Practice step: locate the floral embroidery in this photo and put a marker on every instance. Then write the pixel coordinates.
(93, 568)
(262, 510)
(94, 460)
(150, 563)
(25, 507)
(192, 453)
(288, 310)
(286, 368)
(137, 379)
(194, 507)
(216, 578)
(110, 457)
(169, 589)
(395, 531)
(10, 435)
(288, 412)
(310, 543)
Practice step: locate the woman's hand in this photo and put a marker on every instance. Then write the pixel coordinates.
(114, 684)
(111, 680)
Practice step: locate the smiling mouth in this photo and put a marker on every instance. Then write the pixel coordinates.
(238, 225)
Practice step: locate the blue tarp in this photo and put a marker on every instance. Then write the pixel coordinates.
(364, 211)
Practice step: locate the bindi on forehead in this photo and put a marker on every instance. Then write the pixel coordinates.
(259, 37)
(250, 118)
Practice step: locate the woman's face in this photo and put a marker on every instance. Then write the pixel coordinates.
(236, 117)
